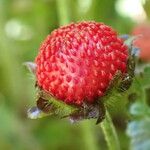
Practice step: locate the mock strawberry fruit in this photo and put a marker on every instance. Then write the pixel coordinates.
(77, 62)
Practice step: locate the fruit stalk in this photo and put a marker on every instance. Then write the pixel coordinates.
(110, 133)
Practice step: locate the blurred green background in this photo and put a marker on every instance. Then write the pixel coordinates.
(23, 25)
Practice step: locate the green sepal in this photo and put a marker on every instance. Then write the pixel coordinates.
(52, 106)
(35, 113)
(129, 41)
(112, 94)
(31, 66)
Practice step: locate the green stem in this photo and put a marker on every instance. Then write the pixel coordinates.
(63, 11)
(110, 133)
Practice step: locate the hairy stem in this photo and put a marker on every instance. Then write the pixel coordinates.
(110, 133)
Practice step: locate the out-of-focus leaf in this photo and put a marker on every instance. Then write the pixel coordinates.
(139, 129)
(139, 109)
(145, 77)
(141, 82)
(147, 8)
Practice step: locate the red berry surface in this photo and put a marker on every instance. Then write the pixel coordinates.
(143, 41)
(76, 62)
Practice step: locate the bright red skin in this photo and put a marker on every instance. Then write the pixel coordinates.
(143, 41)
(77, 62)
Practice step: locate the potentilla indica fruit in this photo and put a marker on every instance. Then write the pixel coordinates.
(77, 62)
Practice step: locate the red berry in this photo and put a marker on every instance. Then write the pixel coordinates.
(77, 62)
(143, 42)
